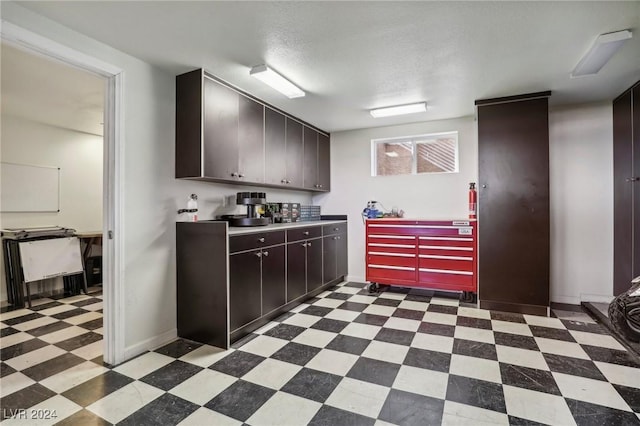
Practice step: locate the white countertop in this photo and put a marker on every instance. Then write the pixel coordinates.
(238, 230)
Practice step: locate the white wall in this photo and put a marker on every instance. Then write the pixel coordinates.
(432, 196)
(581, 185)
(581, 174)
(79, 156)
(151, 193)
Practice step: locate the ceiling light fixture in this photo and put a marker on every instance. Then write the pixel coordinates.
(275, 80)
(605, 46)
(399, 110)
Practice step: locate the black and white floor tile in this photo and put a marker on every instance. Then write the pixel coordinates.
(344, 358)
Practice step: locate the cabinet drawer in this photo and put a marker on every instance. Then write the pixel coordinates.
(335, 228)
(444, 279)
(401, 240)
(391, 248)
(459, 241)
(387, 273)
(253, 241)
(298, 234)
(392, 259)
(447, 263)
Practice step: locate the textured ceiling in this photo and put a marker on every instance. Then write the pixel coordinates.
(353, 56)
(50, 92)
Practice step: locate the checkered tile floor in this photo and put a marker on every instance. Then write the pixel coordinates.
(343, 358)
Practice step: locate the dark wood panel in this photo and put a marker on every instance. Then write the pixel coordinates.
(273, 278)
(250, 140)
(636, 182)
(307, 232)
(324, 162)
(255, 240)
(514, 307)
(188, 129)
(245, 303)
(220, 131)
(310, 165)
(275, 147)
(329, 259)
(342, 255)
(296, 270)
(622, 193)
(515, 98)
(295, 153)
(201, 263)
(513, 218)
(314, 264)
(335, 228)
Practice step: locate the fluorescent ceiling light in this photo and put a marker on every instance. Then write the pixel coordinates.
(605, 46)
(391, 154)
(275, 80)
(399, 110)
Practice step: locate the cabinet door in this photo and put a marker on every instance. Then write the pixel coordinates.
(636, 182)
(342, 267)
(296, 270)
(273, 278)
(275, 147)
(514, 230)
(314, 264)
(329, 259)
(244, 288)
(324, 159)
(295, 154)
(250, 140)
(622, 193)
(310, 169)
(220, 131)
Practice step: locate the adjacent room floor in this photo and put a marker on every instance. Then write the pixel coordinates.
(343, 358)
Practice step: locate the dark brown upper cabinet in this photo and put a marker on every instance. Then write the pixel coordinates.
(316, 160)
(283, 150)
(226, 135)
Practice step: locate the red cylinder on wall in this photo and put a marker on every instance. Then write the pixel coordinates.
(473, 201)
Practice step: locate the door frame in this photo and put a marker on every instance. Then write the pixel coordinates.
(113, 175)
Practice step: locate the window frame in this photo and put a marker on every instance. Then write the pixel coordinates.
(414, 140)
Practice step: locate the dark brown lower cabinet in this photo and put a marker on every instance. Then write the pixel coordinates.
(245, 303)
(513, 205)
(273, 278)
(334, 254)
(314, 264)
(296, 270)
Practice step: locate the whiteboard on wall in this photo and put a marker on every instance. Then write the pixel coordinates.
(26, 188)
(50, 258)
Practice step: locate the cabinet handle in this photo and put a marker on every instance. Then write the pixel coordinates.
(241, 175)
(234, 174)
(335, 238)
(266, 253)
(283, 181)
(309, 244)
(336, 229)
(633, 179)
(305, 233)
(259, 254)
(261, 240)
(304, 244)
(320, 186)
(288, 181)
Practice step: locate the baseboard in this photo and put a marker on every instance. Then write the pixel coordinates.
(568, 300)
(151, 343)
(514, 307)
(598, 298)
(355, 279)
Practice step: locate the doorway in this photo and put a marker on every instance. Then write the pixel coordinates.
(112, 130)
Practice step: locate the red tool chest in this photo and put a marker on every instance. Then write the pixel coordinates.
(435, 254)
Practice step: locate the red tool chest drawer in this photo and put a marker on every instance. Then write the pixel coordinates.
(422, 253)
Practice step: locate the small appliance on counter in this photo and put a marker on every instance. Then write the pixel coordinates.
(252, 218)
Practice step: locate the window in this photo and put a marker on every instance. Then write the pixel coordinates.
(433, 153)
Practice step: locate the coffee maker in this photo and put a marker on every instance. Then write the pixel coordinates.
(251, 200)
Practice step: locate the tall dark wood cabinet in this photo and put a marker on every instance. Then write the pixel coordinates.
(513, 203)
(626, 189)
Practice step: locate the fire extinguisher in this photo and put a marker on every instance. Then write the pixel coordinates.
(473, 200)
